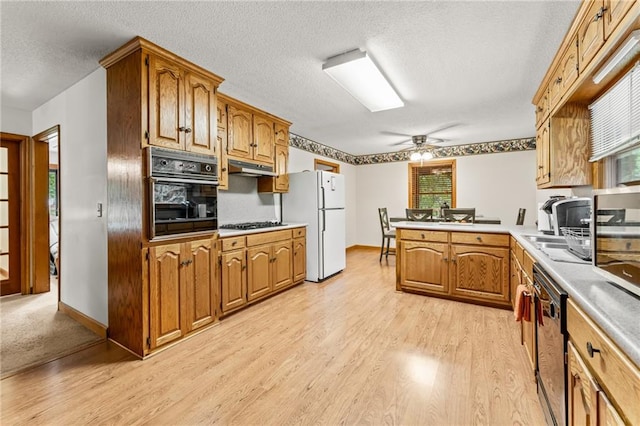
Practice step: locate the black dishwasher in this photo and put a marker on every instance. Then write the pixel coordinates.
(551, 346)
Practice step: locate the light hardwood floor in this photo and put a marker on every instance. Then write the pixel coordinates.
(351, 350)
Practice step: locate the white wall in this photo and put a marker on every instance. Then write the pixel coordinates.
(497, 185)
(81, 112)
(300, 160)
(15, 121)
(243, 203)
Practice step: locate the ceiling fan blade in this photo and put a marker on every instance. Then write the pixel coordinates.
(384, 132)
(401, 142)
(441, 128)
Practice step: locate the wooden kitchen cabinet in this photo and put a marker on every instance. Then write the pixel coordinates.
(280, 183)
(587, 402)
(182, 106)
(542, 109)
(480, 273)
(590, 33)
(465, 266)
(154, 98)
(182, 288)
(522, 273)
(258, 265)
(233, 279)
(562, 150)
(299, 259)
(603, 384)
(239, 132)
(223, 161)
(615, 11)
(263, 139)
(566, 74)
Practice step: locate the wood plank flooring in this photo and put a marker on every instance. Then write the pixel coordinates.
(350, 350)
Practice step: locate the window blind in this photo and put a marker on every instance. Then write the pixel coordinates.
(615, 117)
(431, 186)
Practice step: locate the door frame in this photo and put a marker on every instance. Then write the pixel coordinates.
(43, 137)
(23, 142)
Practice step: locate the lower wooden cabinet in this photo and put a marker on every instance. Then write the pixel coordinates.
(233, 280)
(603, 383)
(467, 266)
(183, 282)
(522, 273)
(257, 265)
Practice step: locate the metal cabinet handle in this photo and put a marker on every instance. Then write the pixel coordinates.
(454, 259)
(182, 128)
(479, 238)
(558, 80)
(244, 267)
(591, 350)
(187, 130)
(600, 14)
(234, 243)
(422, 235)
(224, 169)
(446, 259)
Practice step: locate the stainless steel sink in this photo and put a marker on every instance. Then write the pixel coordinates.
(547, 241)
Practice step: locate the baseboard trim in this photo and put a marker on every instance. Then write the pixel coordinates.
(360, 247)
(86, 321)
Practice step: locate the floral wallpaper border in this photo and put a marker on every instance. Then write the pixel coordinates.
(495, 147)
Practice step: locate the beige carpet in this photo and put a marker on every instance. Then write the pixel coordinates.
(34, 332)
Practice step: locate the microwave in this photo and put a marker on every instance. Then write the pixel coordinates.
(616, 236)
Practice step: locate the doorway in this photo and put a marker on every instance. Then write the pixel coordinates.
(11, 209)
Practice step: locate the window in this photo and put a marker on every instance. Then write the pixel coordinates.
(432, 184)
(53, 191)
(319, 164)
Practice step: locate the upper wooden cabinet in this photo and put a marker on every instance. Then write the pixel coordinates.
(562, 146)
(223, 162)
(591, 33)
(598, 30)
(180, 97)
(263, 139)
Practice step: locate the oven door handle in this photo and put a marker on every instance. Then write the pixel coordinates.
(179, 180)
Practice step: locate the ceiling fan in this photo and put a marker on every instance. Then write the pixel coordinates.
(423, 144)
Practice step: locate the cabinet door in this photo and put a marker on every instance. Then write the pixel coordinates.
(299, 259)
(543, 140)
(607, 413)
(581, 396)
(424, 266)
(542, 109)
(223, 171)
(258, 272)
(239, 133)
(166, 293)
(282, 264)
(282, 160)
(591, 33)
(264, 139)
(282, 134)
(615, 10)
(200, 114)
(165, 104)
(201, 283)
(233, 280)
(569, 66)
(480, 273)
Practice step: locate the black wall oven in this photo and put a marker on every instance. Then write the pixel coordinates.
(183, 192)
(551, 344)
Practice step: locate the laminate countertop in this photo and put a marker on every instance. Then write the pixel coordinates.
(614, 309)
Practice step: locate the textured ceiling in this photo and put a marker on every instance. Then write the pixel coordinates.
(472, 67)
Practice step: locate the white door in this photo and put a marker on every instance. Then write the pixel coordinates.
(332, 240)
(331, 190)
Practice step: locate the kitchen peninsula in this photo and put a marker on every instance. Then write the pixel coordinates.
(439, 259)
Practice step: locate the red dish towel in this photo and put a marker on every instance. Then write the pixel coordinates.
(521, 303)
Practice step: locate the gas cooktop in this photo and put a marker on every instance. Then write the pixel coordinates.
(252, 225)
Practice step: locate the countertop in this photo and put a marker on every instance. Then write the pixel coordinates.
(223, 233)
(615, 310)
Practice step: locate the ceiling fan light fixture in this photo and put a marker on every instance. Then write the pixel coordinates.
(358, 75)
(415, 156)
(426, 155)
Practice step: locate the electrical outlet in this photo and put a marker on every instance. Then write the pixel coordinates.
(99, 209)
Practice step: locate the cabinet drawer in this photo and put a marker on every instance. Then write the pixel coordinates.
(268, 237)
(299, 232)
(424, 235)
(232, 243)
(613, 370)
(481, 239)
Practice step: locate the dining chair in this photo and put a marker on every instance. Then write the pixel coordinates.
(387, 232)
(422, 215)
(460, 215)
(520, 219)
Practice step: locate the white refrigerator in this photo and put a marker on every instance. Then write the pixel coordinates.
(317, 198)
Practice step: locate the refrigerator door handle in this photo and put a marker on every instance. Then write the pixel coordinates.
(324, 220)
(323, 199)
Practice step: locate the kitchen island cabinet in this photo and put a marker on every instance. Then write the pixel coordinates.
(466, 266)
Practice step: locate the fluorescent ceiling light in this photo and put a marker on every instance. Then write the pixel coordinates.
(359, 76)
(629, 47)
